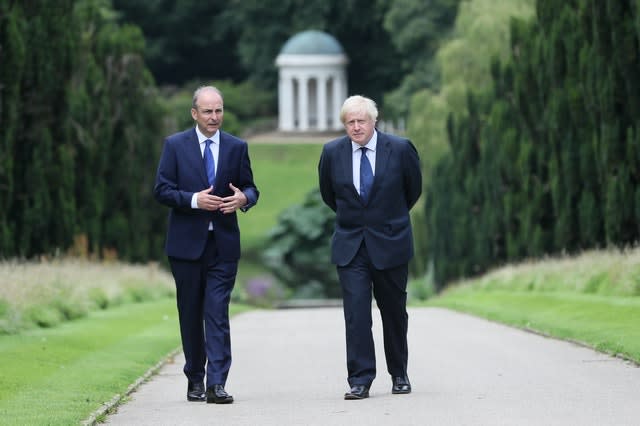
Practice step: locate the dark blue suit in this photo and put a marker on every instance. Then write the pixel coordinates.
(203, 263)
(371, 246)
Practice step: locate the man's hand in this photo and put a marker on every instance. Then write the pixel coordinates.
(233, 202)
(206, 201)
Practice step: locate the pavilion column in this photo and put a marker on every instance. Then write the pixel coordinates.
(285, 103)
(322, 102)
(338, 99)
(303, 103)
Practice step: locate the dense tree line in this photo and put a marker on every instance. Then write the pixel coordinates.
(547, 160)
(80, 132)
(239, 40)
(81, 117)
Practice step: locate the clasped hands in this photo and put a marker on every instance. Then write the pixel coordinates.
(230, 204)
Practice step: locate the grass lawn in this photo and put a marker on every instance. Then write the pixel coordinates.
(60, 376)
(591, 298)
(606, 323)
(284, 174)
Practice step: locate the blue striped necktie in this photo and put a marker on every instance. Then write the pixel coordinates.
(209, 162)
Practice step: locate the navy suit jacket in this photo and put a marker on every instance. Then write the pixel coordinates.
(181, 173)
(383, 223)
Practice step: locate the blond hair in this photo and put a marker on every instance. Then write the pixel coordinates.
(357, 103)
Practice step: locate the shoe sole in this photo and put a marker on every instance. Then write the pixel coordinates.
(220, 401)
(350, 396)
(396, 392)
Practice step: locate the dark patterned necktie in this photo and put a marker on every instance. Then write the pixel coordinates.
(366, 176)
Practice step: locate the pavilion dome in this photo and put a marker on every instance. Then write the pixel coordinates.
(312, 82)
(312, 42)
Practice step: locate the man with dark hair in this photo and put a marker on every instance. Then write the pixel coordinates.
(205, 176)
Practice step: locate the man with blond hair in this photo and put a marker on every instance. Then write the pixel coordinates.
(371, 180)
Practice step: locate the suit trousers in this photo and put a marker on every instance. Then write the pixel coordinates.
(358, 279)
(203, 291)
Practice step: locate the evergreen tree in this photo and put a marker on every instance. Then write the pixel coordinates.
(38, 127)
(79, 137)
(559, 149)
(13, 59)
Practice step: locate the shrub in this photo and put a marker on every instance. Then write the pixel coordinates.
(262, 291)
(46, 293)
(298, 251)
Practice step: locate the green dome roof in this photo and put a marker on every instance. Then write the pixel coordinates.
(312, 42)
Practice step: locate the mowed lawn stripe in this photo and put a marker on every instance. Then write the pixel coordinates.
(62, 375)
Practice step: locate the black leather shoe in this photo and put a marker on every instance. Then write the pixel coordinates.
(401, 385)
(195, 392)
(217, 395)
(357, 392)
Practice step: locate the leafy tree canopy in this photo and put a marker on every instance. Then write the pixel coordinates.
(186, 39)
(239, 39)
(417, 28)
(481, 34)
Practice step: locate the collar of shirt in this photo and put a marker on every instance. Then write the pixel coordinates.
(373, 142)
(201, 137)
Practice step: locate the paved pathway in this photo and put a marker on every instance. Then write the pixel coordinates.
(289, 369)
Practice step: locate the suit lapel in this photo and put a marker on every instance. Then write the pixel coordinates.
(383, 151)
(195, 155)
(223, 157)
(346, 157)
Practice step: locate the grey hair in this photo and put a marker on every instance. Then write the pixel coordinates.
(201, 89)
(359, 103)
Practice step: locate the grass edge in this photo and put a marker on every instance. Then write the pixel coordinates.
(109, 407)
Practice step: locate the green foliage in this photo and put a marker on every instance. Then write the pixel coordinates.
(480, 34)
(417, 28)
(243, 104)
(423, 288)
(99, 298)
(177, 104)
(298, 253)
(7, 317)
(186, 40)
(246, 100)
